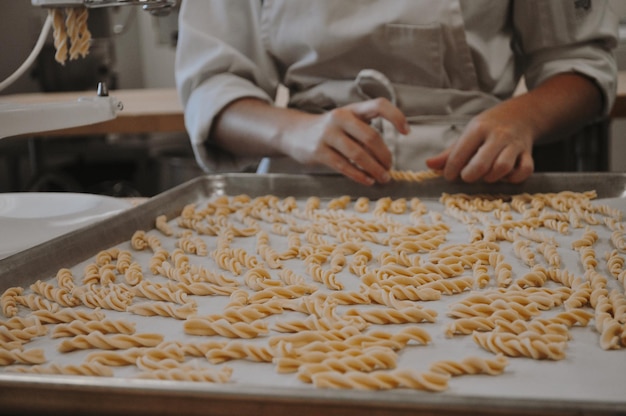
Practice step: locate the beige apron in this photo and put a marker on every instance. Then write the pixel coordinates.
(429, 135)
(437, 109)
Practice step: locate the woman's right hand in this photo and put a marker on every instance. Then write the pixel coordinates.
(344, 140)
(341, 139)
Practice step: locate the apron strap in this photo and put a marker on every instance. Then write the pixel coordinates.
(371, 84)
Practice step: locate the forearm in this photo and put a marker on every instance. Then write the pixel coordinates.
(252, 127)
(558, 107)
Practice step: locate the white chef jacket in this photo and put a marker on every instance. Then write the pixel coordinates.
(441, 62)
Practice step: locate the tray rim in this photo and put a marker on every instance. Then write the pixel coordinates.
(55, 392)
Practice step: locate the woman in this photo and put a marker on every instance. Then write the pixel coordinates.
(381, 84)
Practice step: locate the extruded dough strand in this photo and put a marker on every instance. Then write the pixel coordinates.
(79, 35)
(60, 35)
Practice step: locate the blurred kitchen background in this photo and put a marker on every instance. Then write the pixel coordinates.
(134, 50)
(131, 49)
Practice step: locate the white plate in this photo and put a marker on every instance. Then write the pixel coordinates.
(30, 218)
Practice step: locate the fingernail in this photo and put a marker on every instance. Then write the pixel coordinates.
(407, 128)
(386, 177)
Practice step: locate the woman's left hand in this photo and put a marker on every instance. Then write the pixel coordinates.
(496, 145)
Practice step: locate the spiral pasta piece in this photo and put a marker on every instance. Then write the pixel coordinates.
(165, 309)
(117, 300)
(162, 225)
(117, 358)
(99, 340)
(381, 380)
(18, 322)
(105, 326)
(32, 356)
(187, 373)
(67, 315)
(236, 350)
(8, 301)
(247, 314)
(282, 292)
(514, 346)
(395, 341)
(199, 326)
(85, 369)
(259, 278)
(377, 358)
(21, 335)
(471, 365)
(618, 240)
(54, 294)
(306, 337)
(393, 316)
(155, 291)
(569, 318)
(138, 240)
(460, 310)
(314, 323)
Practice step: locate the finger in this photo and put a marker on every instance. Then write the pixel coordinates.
(370, 140)
(359, 156)
(490, 159)
(337, 162)
(503, 164)
(460, 154)
(523, 169)
(438, 162)
(381, 107)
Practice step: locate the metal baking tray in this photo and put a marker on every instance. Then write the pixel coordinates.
(44, 394)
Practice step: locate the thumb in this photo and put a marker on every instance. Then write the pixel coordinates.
(438, 162)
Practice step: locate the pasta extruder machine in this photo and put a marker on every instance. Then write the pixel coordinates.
(19, 119)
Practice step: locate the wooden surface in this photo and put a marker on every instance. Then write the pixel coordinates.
(160, 110)
(145, 111)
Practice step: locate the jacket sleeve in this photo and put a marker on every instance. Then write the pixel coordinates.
(556, 36)
(220, 58)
